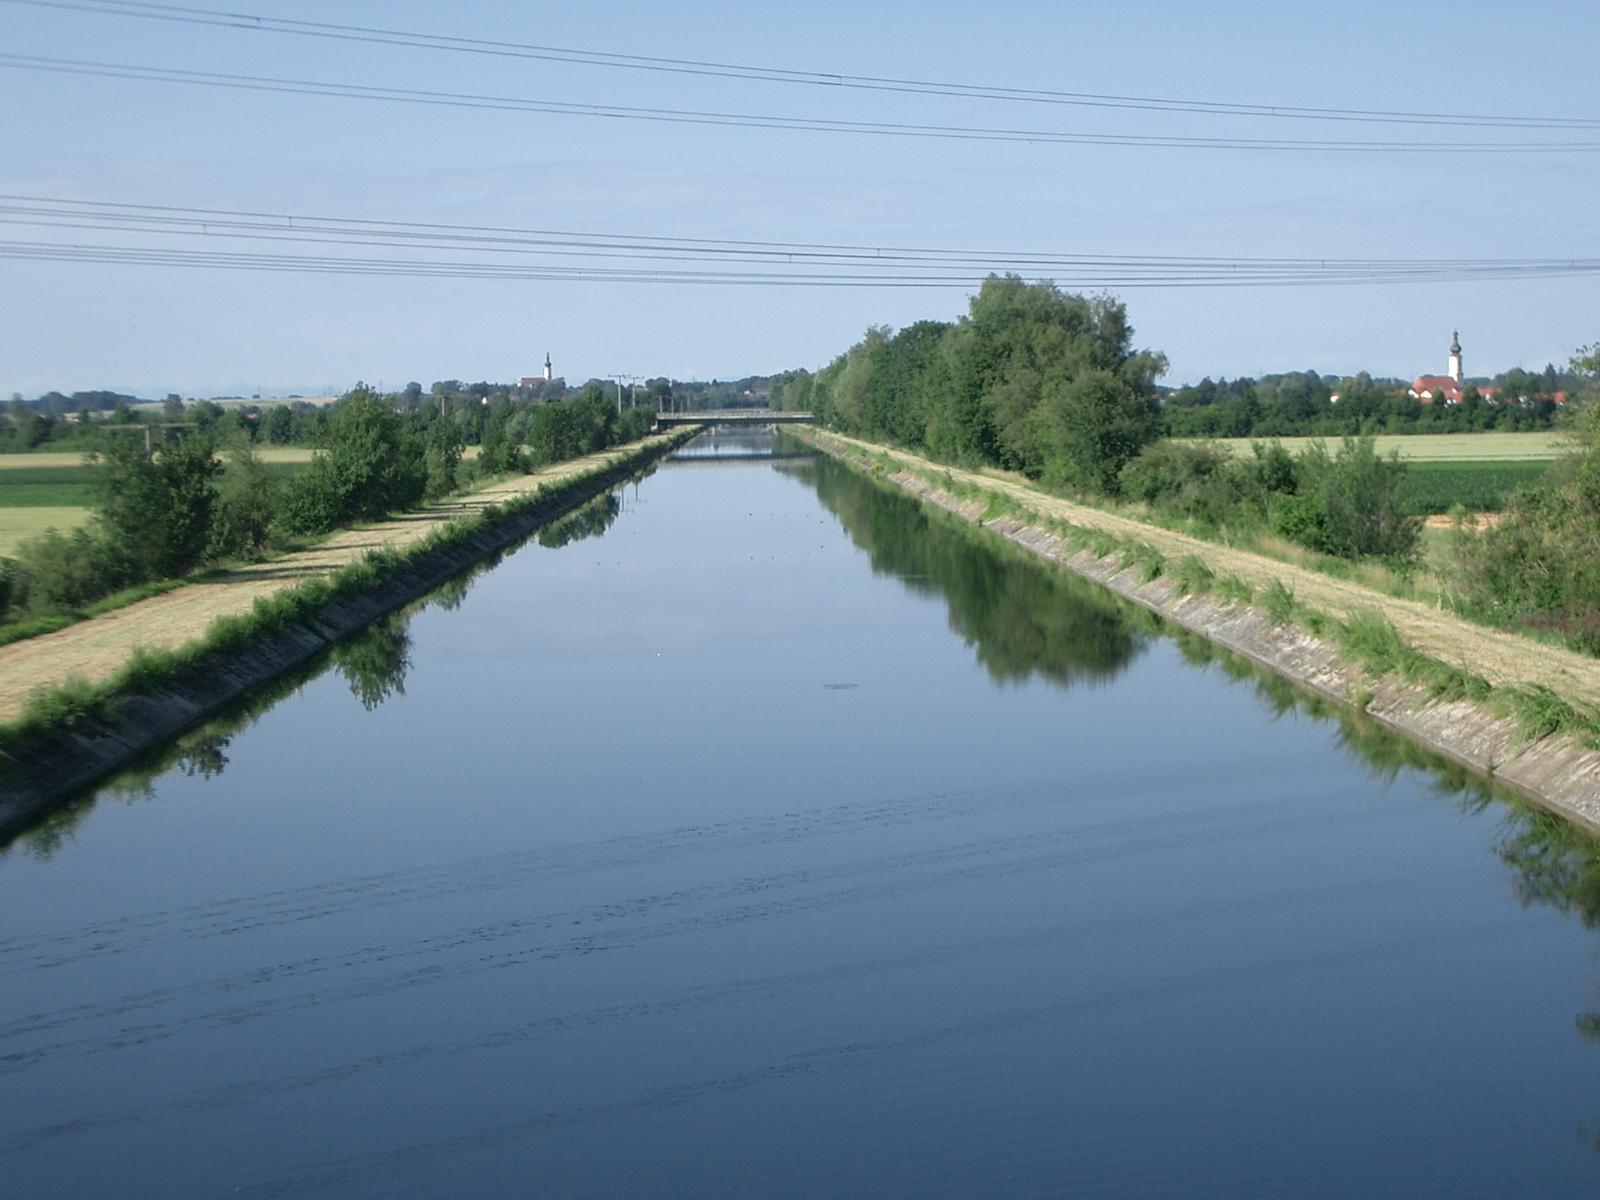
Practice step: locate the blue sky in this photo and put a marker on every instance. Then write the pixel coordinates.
(157, 329)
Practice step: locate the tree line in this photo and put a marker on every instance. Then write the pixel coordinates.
(201, 495)
(1303, 403)
(1050, 384)
(79, 421)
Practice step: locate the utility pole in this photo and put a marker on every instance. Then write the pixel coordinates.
(632, 382)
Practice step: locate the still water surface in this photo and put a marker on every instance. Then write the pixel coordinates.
(763, 833)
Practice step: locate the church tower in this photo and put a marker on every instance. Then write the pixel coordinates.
(547, 366)
(1455, 357)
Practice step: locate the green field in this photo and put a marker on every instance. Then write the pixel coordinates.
(60, 492)
(48, 487)
(1434, 487)
(19, 524)
(1441, 447)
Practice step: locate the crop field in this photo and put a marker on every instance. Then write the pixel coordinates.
(48, 487)
(19, 524)
(1441, 447)
(45, 491)
(1434, 487)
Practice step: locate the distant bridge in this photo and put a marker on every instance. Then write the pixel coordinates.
(733, 416)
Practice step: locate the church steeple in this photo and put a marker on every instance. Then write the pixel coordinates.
(1455, 357)
(547, 366)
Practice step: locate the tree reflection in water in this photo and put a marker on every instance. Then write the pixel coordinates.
(1024, 616)
(1021, 617)
(374, 662)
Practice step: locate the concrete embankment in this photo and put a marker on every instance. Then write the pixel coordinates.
(1558, 772)
(46, 767)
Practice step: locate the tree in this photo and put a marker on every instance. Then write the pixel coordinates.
(1352, 505)
(1089, 427)
(368, 467)
(443, 457)
(247, 504)
(156, 509)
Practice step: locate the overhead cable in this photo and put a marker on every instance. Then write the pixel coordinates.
(528, 254)
(760, 121)
(826, 79)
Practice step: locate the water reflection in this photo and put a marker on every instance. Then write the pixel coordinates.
(1022, 617)
(731, 444)
(593, 519)
(1086, 946)
(374, 662)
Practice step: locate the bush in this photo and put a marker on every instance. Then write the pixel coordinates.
(1170, 471)
(1351, 506)
(156, 509)
(368, 467)
(1540, 566)
(1203, 483)
(61, 572)
(246, 507)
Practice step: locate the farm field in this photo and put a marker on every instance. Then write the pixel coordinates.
(44, 491)
(1442, 447)
(19, 524)
(74, 458)
(1434, 487)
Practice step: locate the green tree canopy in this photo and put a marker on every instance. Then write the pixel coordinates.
(1032, 378)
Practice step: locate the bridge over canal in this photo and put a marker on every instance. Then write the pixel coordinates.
(733, 416)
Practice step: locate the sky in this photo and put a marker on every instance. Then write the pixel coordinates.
(202, 331)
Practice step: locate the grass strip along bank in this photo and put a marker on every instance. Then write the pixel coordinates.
(85, 678)
(1524, 711)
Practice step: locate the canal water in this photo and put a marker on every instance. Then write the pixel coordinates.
(760, 832)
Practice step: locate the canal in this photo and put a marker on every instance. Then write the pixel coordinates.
(760, 832)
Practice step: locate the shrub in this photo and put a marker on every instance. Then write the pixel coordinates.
(1352, 505)
(368, 468)
(1540, 566)
(61, 572)
(246, 507)
(156, 509)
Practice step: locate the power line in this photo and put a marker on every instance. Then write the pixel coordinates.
(760, 121)
(618, 258)
(776, 261)
(1109, 278)
(827, 79)
(211, 223)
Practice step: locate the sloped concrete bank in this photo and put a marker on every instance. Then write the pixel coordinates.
(55, 765)
(1558, 773)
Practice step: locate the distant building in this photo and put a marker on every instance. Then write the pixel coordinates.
(530, 381)
(1447, 388)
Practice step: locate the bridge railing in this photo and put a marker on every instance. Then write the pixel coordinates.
(734, 416)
